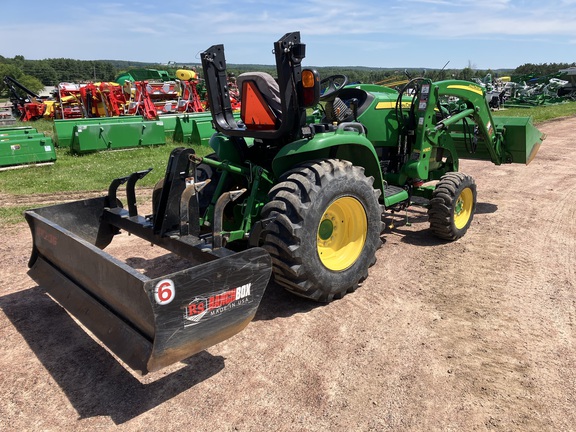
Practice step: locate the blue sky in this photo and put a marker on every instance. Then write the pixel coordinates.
(396, 33)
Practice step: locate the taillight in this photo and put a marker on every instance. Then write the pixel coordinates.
(310, 88)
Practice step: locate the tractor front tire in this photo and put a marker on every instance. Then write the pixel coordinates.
(452, 206)
(325, 228)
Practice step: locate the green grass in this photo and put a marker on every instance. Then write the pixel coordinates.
(77, 173)
(42, 125)
(11, 215)
(540, 114)
(87, 172)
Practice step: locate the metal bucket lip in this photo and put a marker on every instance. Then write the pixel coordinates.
(93, 292)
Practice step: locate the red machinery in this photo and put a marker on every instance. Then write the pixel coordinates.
(150, 99)
(103, 99)
(69, 100)
(189, 100)
(141, 103)
(29, 107)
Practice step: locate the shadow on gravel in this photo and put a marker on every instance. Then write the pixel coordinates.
(485, 208)
(424, 237)
(92, 379)
(279, 303)
(420, 238)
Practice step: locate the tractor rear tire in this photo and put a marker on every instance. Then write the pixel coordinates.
(206, 172)
(452, 206)
(325, 229)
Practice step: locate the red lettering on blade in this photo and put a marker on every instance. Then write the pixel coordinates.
(45, 235)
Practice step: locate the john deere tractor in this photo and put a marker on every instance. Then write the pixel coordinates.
(297, 186)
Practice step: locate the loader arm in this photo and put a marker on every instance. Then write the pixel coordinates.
(476, 108)
(467, 131)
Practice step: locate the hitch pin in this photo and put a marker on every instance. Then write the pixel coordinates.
(195, 159)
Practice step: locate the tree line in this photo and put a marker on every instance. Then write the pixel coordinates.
(36, 74)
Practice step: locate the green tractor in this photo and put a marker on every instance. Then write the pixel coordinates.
(297, 187)
(317, 187)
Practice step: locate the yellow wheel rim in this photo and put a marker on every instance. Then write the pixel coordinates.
(342, 233)
(463, 208)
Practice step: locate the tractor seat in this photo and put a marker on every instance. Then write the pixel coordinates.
(261, 107)
(339, 109)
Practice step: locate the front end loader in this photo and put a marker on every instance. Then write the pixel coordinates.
(296, 186)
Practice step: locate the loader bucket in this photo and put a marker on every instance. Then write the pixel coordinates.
(64, 129)
(148, 323)
(194, 128)
(117, 135)
(26, 149)
(169, 121)
(19, 130)
(7, 136)
(520, 141)
(521, 138)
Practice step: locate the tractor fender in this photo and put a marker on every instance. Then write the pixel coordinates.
(343, 144)
(228, 148)
(222, 146)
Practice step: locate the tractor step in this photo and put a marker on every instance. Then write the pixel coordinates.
(392, 190)
(394, 195)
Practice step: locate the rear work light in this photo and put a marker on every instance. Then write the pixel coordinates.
(310, 88)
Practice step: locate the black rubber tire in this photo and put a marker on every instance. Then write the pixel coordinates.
(297, 205)
(205, 172)
(452, 206)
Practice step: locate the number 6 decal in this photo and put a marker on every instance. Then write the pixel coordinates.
(164, 292)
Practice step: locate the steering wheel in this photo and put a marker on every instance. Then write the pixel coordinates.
(331, 86)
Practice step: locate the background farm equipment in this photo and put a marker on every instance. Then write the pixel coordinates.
(20, 146)
(26, 105)
(68, 102)
(116, 135)
(152, 98)
(528, 91)
(189, 100)
(129, 115)
(84, 135)
(135, 114)
(144, 74)
(103, 99)
(299, 195)
(6, 117)
(568, 90)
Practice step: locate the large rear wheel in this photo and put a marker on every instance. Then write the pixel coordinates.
(452, 206)
(325, 229)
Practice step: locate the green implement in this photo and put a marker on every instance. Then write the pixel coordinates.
(17, 130)
(115, 136)
(25, 146)
(64, 129)
(194, 129)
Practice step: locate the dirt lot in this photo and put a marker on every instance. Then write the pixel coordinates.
(472, 335)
